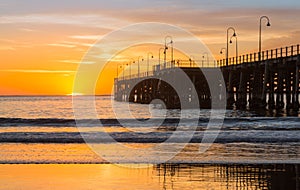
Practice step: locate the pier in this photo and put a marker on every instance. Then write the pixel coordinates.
(263, 80)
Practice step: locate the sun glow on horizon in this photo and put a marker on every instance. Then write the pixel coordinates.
(75, 94)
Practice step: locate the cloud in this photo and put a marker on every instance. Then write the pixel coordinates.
(199, 20)
(87, 20)
(73, 6)
(7, 48)
(70, 44)
(289, 39)
(62, 45)
(86, 37)
(205, 23)
(76, 61)
(8, 44)
(7, 41)
(208, 20)
(27, 30)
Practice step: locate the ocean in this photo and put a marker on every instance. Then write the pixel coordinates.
(248, 149)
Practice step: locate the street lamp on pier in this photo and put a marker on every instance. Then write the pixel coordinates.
(133, 61)
(149, 54)
(222, 49)
(207, 58)
(234, 34)
(124, 70)
(191, 60)
(236, 47)
(118, 66)
(221, 52)
(159, 52)
(259, 40)
(140, 57)
(166, 48)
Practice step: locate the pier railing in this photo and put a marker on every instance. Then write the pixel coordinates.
(265, 55)
(169, 65)
(278, 53)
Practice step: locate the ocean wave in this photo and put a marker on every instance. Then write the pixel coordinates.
(263, 123)
(251, 136)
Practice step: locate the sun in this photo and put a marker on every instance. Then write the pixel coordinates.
(75, 94)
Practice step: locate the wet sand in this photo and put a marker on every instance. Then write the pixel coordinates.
(164, 176)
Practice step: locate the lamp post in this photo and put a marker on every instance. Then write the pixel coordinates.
(124, 71)
(234, 34)
(159, 54)
(166, 47)
(191, 59)
(221, 52)
(222, 49)
(207, 58)
(139, 65)
(259, 40)
(236, 47)
(118, 66)
(133, 61)
(149, 53)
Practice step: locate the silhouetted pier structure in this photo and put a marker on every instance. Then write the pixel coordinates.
(254, 81)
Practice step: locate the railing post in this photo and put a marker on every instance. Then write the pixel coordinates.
(240, 59)
(254, 57)
(267, 54)
(286, 51)
(262, 55)
(247, 57)
(251, 57)
(243, 58)
(298, 49)
(271, 54)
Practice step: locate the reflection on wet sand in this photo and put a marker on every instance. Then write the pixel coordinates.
(163, 176)
(233, 177)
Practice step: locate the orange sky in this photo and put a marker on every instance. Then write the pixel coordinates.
(41, 48)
